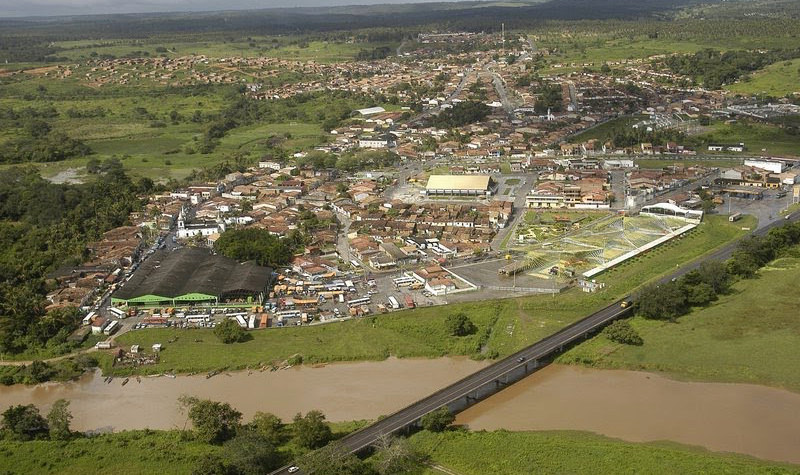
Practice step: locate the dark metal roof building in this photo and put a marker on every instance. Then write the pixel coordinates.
(192, 275)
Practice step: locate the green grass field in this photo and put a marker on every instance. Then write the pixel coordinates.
(604, 130)
(130, 452)
(509, 453)
(749, 336)
(503, 326)
(777, 80)
(757, 138)
(418, 332)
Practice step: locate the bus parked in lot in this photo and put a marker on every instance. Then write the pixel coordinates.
(358, 302)
(116, 312)
(111, 327)
(393, 302)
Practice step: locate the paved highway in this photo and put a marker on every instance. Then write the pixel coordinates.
(496, 372)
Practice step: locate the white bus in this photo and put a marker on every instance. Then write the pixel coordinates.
(355, 263)
(117, 312)
(241, 321)
(393, 302)
(251, 323)
(287, 314)
(111, 327)
(404, 281)
(357, 302)
(88, 318)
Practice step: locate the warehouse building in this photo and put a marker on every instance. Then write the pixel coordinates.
(192, 276)
(459, 185)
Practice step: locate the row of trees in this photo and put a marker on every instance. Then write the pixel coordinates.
(349, 161)
(258, 446)
(24, 422)
(699, 287)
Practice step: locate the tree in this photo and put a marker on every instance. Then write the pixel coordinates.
(700, 294)
(662, 302)
(268, 426)
(254, 244)
(24, 422)
(39, 372)
(459, 324)
(228, 331)
(38, 128)
(743, 264)
(214, 422)
(311, 431)
(250, 453)
(58, 420)
(621, 331)
(395, 455)
(438, 420)
(211, 464)
(463, 113)
(333, 460)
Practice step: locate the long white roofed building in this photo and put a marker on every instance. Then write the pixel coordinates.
(459, 185)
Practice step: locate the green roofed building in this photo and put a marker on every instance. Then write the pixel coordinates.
(192, 276)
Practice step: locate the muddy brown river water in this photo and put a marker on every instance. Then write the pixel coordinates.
(754, 420)
(343, 391)
(635, 406)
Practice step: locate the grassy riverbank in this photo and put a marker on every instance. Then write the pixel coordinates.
(750, 336)
(503, 326)
(477, 453)
(128, 452)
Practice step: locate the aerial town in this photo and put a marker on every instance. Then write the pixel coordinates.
(384, 217)
(446, 217)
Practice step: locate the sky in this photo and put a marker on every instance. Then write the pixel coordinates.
(19, 8)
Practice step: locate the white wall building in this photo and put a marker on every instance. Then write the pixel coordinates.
(774, 166)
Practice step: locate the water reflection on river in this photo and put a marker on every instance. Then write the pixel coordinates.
(345, 391)
(635, 406)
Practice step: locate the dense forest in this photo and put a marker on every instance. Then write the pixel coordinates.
(43, 226)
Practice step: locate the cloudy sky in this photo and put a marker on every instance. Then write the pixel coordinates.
(17, 8)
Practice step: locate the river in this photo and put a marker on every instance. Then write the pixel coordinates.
(755, 420)
(343, 391)
(634, 406)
